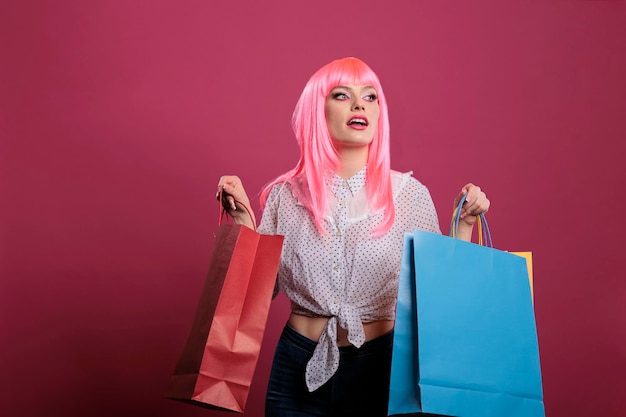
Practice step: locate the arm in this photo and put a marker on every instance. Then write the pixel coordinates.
(234, 193)
(475, 204)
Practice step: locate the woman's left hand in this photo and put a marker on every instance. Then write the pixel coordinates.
(475, 204)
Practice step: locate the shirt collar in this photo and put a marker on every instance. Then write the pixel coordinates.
(355, 182)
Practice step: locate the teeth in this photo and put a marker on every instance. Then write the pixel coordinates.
(359, 121)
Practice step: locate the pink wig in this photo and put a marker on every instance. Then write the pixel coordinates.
(318, 157)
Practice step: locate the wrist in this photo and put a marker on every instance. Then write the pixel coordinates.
(464, 231)
(243, 216)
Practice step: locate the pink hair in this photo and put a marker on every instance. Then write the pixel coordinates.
(318, 157)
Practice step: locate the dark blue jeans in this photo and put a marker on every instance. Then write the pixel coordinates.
(359, 388)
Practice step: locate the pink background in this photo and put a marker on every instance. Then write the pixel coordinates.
(118, 117)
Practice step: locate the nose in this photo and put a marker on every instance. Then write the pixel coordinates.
(358, 104)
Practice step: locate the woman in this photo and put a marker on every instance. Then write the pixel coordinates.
(343, 213)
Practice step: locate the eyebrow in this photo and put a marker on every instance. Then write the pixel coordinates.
(351, 89)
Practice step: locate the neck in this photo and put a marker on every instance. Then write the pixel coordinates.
(353, 159)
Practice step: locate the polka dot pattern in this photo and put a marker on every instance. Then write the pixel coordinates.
(346, 274)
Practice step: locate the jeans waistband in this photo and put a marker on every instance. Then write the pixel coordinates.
(291, 335)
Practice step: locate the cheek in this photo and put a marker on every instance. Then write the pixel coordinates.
(333, 118)
(376, 117)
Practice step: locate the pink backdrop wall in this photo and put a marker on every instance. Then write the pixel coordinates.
(117, 119)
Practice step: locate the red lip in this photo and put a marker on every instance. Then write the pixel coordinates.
(358, 126)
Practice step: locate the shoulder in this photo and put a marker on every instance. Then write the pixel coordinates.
(280, 192)
(405, 183)
(415, 208)
(275, 190)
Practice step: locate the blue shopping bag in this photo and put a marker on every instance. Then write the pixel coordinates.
(465, 340)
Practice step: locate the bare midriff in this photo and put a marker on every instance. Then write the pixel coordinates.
(312, 328)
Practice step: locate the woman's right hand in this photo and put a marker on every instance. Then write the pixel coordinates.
(233, 198)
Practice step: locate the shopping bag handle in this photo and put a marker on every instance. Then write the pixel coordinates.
(484, 234)
(223, 210)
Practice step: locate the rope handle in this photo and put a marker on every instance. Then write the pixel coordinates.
(484, 234)
(223, 209)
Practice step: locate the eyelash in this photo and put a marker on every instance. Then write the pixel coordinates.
(340, 95)
(344, 96)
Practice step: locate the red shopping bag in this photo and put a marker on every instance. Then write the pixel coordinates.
(218, 361)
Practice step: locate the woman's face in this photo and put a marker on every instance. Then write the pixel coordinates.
(352, 115)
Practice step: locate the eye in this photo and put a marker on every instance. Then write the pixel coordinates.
(371, 97)
(340, 95)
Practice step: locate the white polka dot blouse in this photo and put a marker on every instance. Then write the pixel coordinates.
(346, 274)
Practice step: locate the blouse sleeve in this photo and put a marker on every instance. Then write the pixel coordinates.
(427, 212)
(415, 204)
(269, 219)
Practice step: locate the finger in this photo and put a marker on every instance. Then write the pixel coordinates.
(472, 193)
(484, 204)
(220, 187)
(231, 202)
(467, 188)
(227, 184)
(221, 191)
(228, 201)
(233, 186)
(468, 191)
(481, 205)
(459, 196)
(229, 190)
(228, 180)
